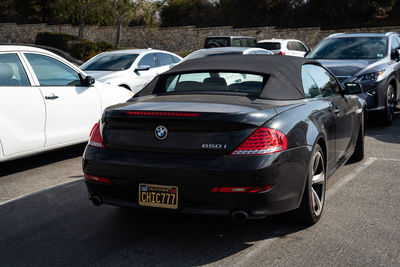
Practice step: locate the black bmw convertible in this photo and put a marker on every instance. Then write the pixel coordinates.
(243, 136)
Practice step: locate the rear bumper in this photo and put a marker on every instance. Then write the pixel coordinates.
(196, 175)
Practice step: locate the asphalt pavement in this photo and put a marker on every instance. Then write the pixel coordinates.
(59, 226)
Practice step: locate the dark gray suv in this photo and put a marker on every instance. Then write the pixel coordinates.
(366, 60)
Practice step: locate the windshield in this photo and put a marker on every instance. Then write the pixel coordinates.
(351, 48)
(215, 82)
(110, 62)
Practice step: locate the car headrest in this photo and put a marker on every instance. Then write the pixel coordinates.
(6, 72)
(188, 86)
(215, 81)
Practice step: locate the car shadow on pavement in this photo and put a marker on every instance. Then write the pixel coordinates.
(387, 134)
(184, 240)
(27, 163)
(62, 227)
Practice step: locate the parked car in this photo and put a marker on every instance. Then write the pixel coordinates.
(46, 102)
(226, 51)
(54, 50)
(131, 69)
(288, 47)
(369, 61)
(229, 41)
(250, 149)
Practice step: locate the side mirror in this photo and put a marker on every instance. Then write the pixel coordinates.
(306, 53)
(142, 68)
(396, 54)
(88, 81)
(352, 89)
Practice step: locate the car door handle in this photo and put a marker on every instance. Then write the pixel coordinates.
(51, 96)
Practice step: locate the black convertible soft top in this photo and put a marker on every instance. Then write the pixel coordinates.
(284, 83)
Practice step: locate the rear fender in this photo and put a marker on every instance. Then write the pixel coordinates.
(300, 130)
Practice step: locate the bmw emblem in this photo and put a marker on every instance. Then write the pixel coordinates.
(161, 132)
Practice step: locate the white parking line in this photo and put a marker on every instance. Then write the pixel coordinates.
(38, 192)
(389, 159)
(345, 180)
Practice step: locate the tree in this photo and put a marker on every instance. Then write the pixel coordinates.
(32, 11)
(7, 11)
(332, 14)
(80, 12)
(121, 12)
(193, 12)
(149, 13)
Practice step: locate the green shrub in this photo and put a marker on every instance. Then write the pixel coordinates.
(86, 49)
(57, 40)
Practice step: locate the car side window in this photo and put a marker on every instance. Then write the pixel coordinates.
(236, 42)
(175, 59)
(302, 47)
(148, 60)
(51, 72)
(164, 59)
(247, 42)
(394, 43)
(292, 46)
(310, 88)
(12, 73)
(325, 81)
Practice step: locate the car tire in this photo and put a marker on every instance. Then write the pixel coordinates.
(390, 100)
(313, 201)
(358, 153)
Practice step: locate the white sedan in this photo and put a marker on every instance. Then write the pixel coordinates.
(46, 102)
(132, 69)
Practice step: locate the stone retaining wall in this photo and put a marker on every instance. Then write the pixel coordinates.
(175, 39)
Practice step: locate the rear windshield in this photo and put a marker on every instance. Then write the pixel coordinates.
(215, 82)
(351, 48)
(110, 62)
(269, 46)
(217, 42)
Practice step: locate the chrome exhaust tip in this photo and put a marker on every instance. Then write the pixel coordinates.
(239, 216)
(97, 201)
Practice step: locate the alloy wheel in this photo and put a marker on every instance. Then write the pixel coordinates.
(318, 184)
(390, 102)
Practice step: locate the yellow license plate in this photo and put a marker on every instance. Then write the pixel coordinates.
(159, 196)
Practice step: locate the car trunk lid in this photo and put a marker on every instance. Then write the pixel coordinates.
(200, 124)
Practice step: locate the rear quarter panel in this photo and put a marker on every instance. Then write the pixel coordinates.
(305, 124)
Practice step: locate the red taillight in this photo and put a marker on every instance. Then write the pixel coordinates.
(262, 141)
(95, 137)
(247, 189)
(162, 114)
(97, 179)
(281, 53)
